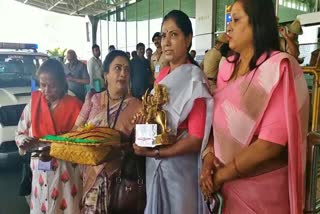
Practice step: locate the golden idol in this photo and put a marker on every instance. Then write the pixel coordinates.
(155, 114)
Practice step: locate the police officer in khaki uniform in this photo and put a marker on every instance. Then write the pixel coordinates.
(158, 60)
(289, 40)
(210, 64)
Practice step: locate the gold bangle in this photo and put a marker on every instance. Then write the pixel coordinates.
(205, 152)
(239, 174)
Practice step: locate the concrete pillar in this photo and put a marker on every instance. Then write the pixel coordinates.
(94, 25)
(205, 26)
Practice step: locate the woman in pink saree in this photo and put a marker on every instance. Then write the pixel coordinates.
(260, 119)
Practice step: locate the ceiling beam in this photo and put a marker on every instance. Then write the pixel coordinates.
(84, 7)
(55, 4)
(112, 7)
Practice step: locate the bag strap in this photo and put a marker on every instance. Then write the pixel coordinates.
(217, 208)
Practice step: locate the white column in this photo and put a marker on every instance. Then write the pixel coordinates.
(204, 27)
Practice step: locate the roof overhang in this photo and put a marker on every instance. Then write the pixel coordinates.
(96, 8)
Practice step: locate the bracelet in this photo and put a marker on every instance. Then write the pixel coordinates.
(157, 152)
(205, 152)
(239, 174)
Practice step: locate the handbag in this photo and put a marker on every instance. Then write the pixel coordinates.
(216, 205)
(26, 178)
(127, 188)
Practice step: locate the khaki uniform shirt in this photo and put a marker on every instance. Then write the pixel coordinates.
(211, 65)
(158, 61)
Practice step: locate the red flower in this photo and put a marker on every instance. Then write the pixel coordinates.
(63, 204)
(43, 208)
(65, 176)
(36, 192)
(54, 164)
(41, 182)
(74, 190)
(54, 194)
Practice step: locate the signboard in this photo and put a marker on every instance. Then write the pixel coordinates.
(227, 16)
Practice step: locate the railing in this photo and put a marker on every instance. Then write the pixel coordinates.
(315, 96)
(314, 90)
(312, 202)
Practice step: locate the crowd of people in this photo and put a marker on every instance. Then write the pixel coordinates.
(238, 121)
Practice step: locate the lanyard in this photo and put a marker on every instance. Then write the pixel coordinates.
(117, 113)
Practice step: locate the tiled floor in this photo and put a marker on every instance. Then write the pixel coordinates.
(10, 202)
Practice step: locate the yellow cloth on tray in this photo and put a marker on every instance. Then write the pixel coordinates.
(89, 145)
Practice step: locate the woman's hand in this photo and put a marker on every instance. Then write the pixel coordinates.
(28, 142)
(143, 151)
(218, 180)
(206, 177)
(139, 118)
(209, 168)
(44, 155)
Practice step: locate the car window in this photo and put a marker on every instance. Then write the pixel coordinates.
(18, 70)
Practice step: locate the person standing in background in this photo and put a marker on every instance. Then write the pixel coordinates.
(158, 60)
(140, 73)
(289, 40)
(76, 74)
(111, 48)
(210, 64)
(134, 54)
(149, 54)
(95, 69)
(193, 54)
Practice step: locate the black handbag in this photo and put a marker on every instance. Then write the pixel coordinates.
(26, 178)
(127, 187)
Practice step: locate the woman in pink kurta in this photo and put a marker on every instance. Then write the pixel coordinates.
(260, 122)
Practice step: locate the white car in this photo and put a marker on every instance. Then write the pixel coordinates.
(18, 65)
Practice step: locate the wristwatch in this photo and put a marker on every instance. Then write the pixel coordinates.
(157, 152)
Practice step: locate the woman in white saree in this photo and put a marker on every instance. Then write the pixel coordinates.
(172, 171)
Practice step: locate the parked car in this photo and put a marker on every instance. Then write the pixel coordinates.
(18, 65)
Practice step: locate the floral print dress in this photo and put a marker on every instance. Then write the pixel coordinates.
(57, 190)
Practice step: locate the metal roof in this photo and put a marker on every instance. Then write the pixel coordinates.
(78, 7)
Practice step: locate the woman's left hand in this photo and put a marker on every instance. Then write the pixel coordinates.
(143, 151)
(44, 154)
(218, 180)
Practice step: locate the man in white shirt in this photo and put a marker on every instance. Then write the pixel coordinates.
(95, 69)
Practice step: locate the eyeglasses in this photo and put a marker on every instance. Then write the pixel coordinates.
(215, 206)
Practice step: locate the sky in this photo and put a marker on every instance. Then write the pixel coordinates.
(26, 24)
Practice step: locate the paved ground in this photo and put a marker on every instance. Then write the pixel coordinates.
(10, 202)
